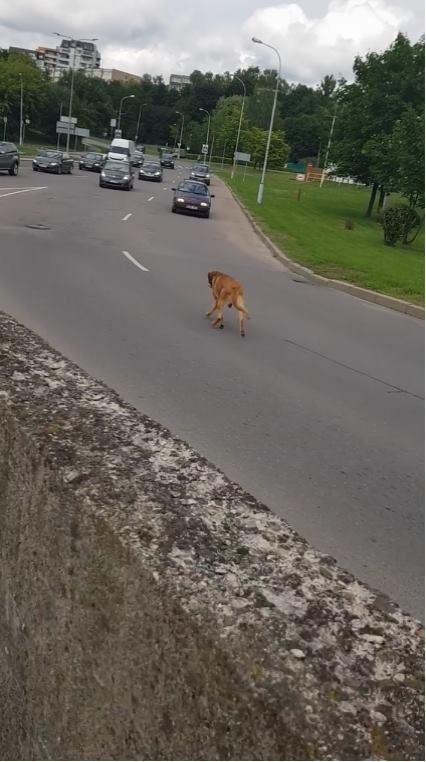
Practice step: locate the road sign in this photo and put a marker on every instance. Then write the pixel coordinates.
(239, 156)
(113, 123)
(62, 129)
(205, 149)
(67, 119)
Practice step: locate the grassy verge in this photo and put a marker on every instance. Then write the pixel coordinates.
(308, 223)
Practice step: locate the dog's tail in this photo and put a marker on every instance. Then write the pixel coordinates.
(240, 306)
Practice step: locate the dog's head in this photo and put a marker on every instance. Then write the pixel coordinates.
(211, 276)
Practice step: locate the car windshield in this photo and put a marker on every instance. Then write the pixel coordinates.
(50, 154)
(96, 156)
(119, 149)
(117, 166)
(196, 188)
(151, 165)
(201, 170)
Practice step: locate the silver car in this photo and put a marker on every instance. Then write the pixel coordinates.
(9, 158)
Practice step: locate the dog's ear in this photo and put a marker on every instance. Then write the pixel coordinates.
(210, 277)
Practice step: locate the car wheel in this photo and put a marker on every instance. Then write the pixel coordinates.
(35, 169)
(70, 171)
(14, 169)
(80, 166)
(59, 171)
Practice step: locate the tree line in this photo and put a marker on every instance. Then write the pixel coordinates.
(379, 116)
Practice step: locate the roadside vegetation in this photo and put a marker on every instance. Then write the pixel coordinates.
(326, 229)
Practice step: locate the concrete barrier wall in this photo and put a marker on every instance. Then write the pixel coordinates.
(150, 609)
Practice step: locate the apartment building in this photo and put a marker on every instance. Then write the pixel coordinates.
(70, 54)
(179, 81)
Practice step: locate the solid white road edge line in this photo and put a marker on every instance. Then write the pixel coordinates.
(126, 216)
(25, 190)
(135, 261)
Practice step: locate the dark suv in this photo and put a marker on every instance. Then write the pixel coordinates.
(9, 158)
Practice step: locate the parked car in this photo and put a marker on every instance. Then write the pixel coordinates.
(192, 197)
(138, 158)
(50, 160)
(151, 170)
(116, 174)
(91, 161)
(9, 158)
(167, 160)
(201, 172)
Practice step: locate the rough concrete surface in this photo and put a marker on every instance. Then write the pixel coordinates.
(151, 609)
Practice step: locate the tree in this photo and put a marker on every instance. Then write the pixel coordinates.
(254, 141)
(409, 148)
(226, 119)
(386, 86)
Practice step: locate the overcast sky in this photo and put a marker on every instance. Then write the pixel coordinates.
(315, 37)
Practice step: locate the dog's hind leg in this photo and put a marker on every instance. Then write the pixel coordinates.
(219, 308)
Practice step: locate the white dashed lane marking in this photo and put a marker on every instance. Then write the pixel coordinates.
(126, 216)
(151, 198)
(135, 261)
(23, 190)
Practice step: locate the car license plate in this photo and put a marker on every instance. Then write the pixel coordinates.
(42, 165)
(190, 206)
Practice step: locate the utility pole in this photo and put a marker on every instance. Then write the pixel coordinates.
(333, 121)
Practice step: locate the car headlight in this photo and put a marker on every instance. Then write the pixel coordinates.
(53, 163)
(180, 200)
(192, 174)
(204, 203)
(157, 173)
(126, 177)
(103, 174)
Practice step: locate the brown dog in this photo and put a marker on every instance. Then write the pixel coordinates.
(226, 290)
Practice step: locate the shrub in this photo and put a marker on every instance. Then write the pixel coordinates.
(398, 222)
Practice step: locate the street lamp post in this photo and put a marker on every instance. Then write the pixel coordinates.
(208, 128)
(21, 117)
(74, 46)
(139, 121)
(239, 125)
(124, 98)
(330, 136)
(271, 124)
(181, 132)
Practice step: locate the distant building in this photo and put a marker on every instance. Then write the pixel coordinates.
(179, 81)
(70, 54)
(115, 75)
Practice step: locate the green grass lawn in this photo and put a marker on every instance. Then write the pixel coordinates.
(311, 230)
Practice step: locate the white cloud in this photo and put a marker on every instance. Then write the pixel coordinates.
(313, 36)
(313, 46)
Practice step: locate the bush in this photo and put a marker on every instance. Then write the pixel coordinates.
(398, 222)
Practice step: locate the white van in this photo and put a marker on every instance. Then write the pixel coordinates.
(122, 149)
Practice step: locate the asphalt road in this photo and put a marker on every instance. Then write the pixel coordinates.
(318, 411)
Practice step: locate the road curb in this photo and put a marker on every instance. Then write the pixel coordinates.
(398, 305)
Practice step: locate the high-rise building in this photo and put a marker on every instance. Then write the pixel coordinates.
(70, 54)
(179, 81)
